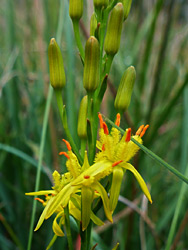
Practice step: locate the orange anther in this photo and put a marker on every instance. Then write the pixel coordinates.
(53, 194)
(65, 154)
(118, 117)
(116, 163)
(128, 135)
(67, 144)
(139, 130)
(105, 128)
(101, 120)
(40, 200)
(144, 130)
(86, 176)
(103, 147)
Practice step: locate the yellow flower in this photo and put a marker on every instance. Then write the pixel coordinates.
(77, 189)
(119, 150)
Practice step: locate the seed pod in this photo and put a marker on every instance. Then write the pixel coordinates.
(100, 3)
(125, 89)
(93, 24)
(57, 73)
(91, 66)
(126, 7)
(114, 28)
(75, 9)
(82, 119)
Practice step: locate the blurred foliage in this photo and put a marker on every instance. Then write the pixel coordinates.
(155, 41)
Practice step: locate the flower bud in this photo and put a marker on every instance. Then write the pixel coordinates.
(57, 73)
(82, 119)
(100, 3)
(125, 89)
(75, 9)
(91, 64)
(126, 7)
(114, 28)
(93, 24)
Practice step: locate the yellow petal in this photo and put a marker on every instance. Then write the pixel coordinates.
(43, 192)
(43, 215)
(62, 198)
(99, 188)
(117, 177)
(140, 180)
(87, 198)
(96, 219)
(56, 227)
(116, 246)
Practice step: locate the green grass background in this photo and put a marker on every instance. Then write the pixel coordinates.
(155, 41)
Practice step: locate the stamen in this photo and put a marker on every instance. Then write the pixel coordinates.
(101, 120)
(144, 130)
(65, 154)
(86, 176)
(105, 128)
(103, 147)
(40, 200)
(139, 130)
(67, 144)
(128, 135)
(118, 117)
(52, 194)
(116, 163)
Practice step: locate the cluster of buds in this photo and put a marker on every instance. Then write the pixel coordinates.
(80, 186)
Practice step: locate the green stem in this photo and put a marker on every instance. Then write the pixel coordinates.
(78, 39)
(68, 229)
(65, 124)
(90, 118)
(83, 235)
(83, 147)
(151, 154)
(41, 151)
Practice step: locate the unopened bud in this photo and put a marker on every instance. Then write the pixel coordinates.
(91, 64)
(82, 119)
(125, 89)
(114, 28)
(100, 3)
(75, 9)
(57, 73)
(93, 24)
(127, 7)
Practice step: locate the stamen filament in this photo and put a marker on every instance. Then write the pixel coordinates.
(144, 130)
(118, 117)
(65, 154)
(139, 130)
(67, 144)
(128, 135)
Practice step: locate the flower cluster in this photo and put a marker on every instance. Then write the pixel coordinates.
(80, 186)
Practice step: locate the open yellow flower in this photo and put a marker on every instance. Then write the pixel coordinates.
(119, 150)
(77, 189)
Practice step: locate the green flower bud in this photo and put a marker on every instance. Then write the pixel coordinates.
(82, 118)
(57, 73)
(125, 89)
(126, 7)
(114, 28)
(93, 24)
(91, 64)
(75, 9)
(100, 3)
